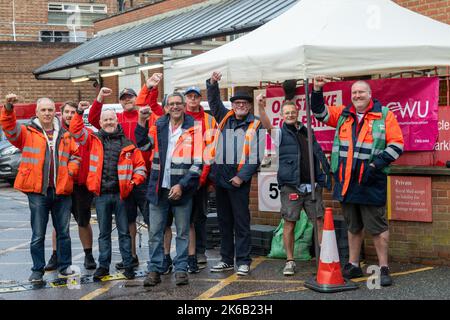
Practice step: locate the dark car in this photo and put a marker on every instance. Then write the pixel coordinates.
(9, 158)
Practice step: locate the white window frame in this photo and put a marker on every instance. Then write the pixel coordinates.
(52, 7)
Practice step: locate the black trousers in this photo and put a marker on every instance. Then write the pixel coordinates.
(234, 224)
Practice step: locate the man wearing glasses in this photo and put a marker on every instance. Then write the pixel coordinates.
(174, 178)
(238, 153)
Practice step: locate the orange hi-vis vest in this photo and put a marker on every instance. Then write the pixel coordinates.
(249, 135)
(130, 167)
(34, 168)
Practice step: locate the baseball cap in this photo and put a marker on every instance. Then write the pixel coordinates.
(192, 89)
(128, 91)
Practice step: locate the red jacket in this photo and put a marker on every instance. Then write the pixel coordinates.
(83, 151)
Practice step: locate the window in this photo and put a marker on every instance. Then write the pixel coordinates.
(55, 36)
(62, 13)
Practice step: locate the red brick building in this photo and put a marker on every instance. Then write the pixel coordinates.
(33, 33)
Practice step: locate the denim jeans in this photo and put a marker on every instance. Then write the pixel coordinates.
(106, 205)
(59, 207)
(158, 220)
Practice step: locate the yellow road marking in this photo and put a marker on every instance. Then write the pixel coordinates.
(225, 282)
(296, 289)
(98, 292)
(258, 293)
(397, 273)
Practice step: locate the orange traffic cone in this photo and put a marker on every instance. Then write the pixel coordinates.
(329, 276)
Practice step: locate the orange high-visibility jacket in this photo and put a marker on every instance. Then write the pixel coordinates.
(186, 164)
(34, 168)
(378, 139)
(130, 167)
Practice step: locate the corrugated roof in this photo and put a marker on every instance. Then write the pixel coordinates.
(216, 19)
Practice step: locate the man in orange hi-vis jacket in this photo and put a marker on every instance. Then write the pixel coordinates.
(116, 166)
(50, 161)
(368, 138)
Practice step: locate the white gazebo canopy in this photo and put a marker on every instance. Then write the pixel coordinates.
(325, 37)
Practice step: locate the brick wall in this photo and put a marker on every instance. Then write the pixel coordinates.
(436, 9)
(32, 17)
(19, 59)
(143, 13)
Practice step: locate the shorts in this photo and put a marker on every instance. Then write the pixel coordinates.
(81, 204)
(137, 199)
(371, 218)
(290, 209)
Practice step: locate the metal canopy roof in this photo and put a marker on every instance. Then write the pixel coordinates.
(213, 19)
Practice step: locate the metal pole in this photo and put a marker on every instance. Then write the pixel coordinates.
(14, 20)
(311, 167)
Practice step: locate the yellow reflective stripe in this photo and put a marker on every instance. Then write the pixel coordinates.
(29, 160)
(31, 150)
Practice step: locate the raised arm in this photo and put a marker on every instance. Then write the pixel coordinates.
(14, 132)
(216, 106)
(96, 109)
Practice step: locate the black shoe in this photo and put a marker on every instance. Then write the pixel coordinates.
(36, 277)
(129, 273)
(100, 273)
(153, 278)
(66, 273)
(385, 277)
(89, 262)
(192, 265)
(134, 264)
(350, 271)
(181, 278)
(167, 264)
(52, 263)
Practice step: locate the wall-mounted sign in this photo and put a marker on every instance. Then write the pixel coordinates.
(409, 198)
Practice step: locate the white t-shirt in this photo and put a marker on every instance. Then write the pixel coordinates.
(173, 138)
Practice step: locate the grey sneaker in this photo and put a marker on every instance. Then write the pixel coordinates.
(243, 270)
(201, 258)
(36, 277)
(221, 267)
(289, 269)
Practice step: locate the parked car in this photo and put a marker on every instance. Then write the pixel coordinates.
(9, 161)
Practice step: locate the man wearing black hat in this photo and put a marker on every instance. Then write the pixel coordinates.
(128, 120)
(238, 154)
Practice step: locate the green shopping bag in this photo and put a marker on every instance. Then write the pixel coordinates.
(303, 240)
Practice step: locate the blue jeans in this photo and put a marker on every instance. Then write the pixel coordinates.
(106, 205)
(59, 207)
(158, 220)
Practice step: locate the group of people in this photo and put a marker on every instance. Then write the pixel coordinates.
(165, 159)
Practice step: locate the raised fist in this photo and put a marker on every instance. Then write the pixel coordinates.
(144, 113)
(319, 82)
(261, 100)
(154, 80)
(104, 92)
(216, 77)
(11, 98)
(83, 105)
